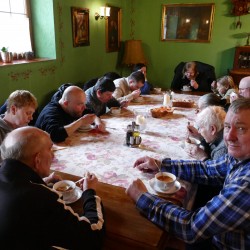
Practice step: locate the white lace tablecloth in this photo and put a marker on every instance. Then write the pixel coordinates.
(105, 153)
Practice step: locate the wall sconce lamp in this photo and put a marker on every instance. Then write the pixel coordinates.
(104, 13)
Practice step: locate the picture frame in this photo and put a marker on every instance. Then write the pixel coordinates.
(187, 22)
(80, 26)
(113, 29)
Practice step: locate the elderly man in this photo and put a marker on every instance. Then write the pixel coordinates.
(129, 88)
(244, 87)
(33, 216)
(99, 97)
(225, 218)
(21, 105)
(62, 118)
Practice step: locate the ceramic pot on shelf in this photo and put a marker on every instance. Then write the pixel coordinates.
(6, 57)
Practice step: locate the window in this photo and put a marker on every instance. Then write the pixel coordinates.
(15, 26)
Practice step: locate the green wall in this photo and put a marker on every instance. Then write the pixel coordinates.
(164, 56)
(53, 39)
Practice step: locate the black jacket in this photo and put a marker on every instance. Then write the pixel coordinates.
(34, 217)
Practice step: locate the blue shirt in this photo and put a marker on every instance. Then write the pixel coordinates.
(225, 218)
(145, 89)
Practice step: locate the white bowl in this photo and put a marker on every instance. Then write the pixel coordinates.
(157, 90)
(186, 88)
(66, 188)
(115, 110)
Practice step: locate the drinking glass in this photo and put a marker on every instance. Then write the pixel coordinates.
(141, 116)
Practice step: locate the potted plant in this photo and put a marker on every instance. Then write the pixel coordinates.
(6, 56)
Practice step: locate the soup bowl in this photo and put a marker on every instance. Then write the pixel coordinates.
(66, 188)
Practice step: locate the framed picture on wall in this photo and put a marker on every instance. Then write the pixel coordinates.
(187, 22)
(113, 29)
(80, 26)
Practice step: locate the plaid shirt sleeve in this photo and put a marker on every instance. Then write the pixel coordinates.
(226, 217)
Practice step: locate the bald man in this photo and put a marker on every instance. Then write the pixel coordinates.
(244, 87)
(62, 118)
(32, 215)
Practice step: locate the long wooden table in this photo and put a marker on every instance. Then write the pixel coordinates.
(126, 228)
(112, 162)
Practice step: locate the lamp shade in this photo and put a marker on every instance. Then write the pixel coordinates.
(133, 53)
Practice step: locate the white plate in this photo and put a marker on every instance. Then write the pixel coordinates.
(75, 197)
(123, 113)
(112, 114)
(138, 100)
(172, 190)
(186, 90)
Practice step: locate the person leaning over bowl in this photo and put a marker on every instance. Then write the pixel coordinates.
(33, 216)
(190, 76)
(61, 118)
(204, 101)
(225, 218)
(147, 87)
(128, 88)
(99, 97)
(210, 122)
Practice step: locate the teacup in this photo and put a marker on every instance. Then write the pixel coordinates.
(164, 180)
(115, 110)
(66, 188)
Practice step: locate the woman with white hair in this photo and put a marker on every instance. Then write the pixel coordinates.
(210, 123)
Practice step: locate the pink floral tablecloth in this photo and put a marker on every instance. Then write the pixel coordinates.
(106, 155)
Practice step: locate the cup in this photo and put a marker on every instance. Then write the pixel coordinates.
(66, 188)
(164, 181)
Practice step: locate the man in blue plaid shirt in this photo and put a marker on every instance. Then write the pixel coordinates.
(226, 218)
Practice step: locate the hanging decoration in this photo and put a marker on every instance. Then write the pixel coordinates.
(240, 8)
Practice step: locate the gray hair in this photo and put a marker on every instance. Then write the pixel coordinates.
(21, 143)
(239, 104)
(209, 100)
(13, 152)
(212, 115)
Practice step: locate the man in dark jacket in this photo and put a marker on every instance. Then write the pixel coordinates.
(33, 216)
(99, 97)
(62, 118)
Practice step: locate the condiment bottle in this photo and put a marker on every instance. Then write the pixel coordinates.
(129, 134)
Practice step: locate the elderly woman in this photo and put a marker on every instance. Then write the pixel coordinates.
(210, 123)
(206, 100)
(195, 76)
